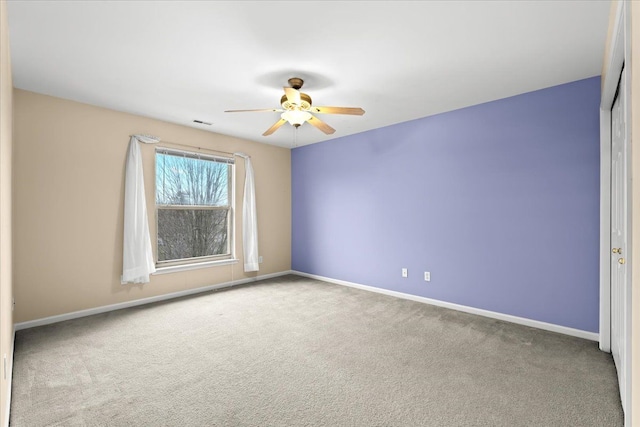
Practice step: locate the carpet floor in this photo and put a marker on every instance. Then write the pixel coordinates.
(292, 351)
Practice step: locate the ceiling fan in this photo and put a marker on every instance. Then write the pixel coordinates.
(296, 109)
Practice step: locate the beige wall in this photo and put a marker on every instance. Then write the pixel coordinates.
(69, 163)
(6, 292)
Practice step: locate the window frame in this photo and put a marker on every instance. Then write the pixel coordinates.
(169, 266)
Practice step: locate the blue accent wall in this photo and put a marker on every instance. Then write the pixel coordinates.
(499, 201)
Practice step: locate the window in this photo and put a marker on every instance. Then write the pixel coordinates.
(194, 207)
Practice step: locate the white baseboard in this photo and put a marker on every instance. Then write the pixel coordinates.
(142, 301)
(10, 379)
(593, 336)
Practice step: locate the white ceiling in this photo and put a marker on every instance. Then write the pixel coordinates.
(181, 60)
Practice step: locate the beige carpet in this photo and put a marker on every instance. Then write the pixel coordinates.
(298, 352)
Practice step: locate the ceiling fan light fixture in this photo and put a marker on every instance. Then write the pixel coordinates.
(296, 109)
(296, 117)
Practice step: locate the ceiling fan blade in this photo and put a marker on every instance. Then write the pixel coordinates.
(338, 110)
(270, 110)
(316, 122)
(275, 127)
(293, 96)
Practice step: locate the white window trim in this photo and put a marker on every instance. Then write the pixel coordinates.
(194, 266)
(174, 266)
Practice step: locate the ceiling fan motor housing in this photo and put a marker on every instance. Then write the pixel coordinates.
(305, 103)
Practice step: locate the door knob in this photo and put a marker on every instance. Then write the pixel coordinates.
(621, 261)
(616, 250)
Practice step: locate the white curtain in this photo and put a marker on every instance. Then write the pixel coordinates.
(137, 256)
(249, 218)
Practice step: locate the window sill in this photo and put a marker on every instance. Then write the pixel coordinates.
(195, 266)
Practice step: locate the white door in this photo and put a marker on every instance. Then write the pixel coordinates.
(619, 236)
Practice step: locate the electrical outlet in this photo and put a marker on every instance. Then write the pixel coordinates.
(427, 276)
(260, 259)
(405, 272)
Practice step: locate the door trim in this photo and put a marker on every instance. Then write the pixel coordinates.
(615, 62)
(605, 230)
(619, 52)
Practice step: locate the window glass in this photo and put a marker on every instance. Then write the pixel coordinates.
(193, 207)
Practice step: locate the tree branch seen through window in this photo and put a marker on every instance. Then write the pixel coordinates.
(193, 206)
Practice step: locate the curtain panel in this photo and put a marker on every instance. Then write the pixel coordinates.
(249, 218)
(137, 254)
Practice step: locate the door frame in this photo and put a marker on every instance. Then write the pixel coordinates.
(618, 55)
